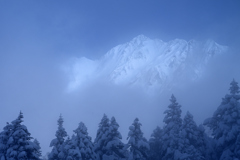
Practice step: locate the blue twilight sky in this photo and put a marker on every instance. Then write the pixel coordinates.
(91, 28)
(37, 37)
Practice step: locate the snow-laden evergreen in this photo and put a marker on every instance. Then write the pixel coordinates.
(193, 142)
(156, 143)
(234, 88)
(70, 149)
(4, 136)
(138, 145)
(101, 139)
(83, 143)
(171, 131)
(57, 143)
(177, 140)
(225, 125)
(115, 149)
(38, 151)
(16, 142)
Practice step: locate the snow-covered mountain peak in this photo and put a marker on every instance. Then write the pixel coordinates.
(212, 47)
(150, 63)
(139, 39)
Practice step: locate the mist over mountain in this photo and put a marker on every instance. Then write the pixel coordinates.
(151, 64)
(80, 59)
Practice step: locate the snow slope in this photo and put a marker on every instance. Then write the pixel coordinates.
(149, 63)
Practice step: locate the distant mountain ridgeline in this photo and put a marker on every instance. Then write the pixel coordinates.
(149, 63)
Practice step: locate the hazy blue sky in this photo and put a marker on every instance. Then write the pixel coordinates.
(38, 37)
(74, 27)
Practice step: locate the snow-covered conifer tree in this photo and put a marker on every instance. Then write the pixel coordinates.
(38, 151)
(17, 142)
(4, 136)
(156, 143)
(193, 146)
(234, 89)
(171, 131)
(225, 125)
(101, 139)
(115, 149)
(58, 142)
(70, 149)
(137, 144)
(84, 143)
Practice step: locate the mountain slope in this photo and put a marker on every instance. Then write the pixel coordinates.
(148, 63)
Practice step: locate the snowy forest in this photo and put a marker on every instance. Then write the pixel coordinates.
(217, 138)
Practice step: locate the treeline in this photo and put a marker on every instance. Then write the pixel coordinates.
(178, 139)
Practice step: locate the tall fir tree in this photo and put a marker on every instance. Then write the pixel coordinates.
(70, 149)
(156, 143)
(193, 146)
(84, 143)
(16, 142)
(58, 142)
(234, 88)
(225, 125)
(138, 145)
(115, 148)
(4, 136)
(101, 139)
(38, 151)
(171, 131)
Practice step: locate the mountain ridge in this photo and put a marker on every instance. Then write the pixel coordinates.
(149, 63)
